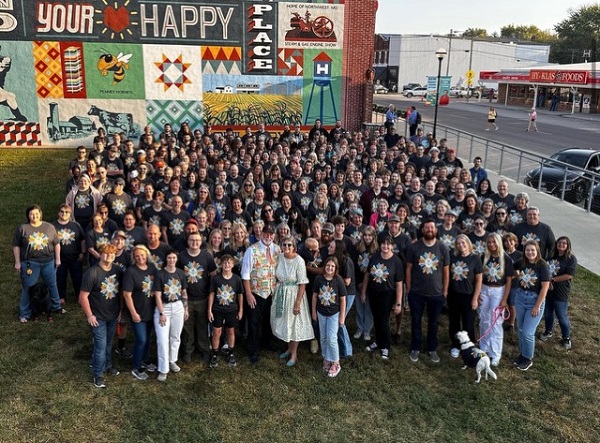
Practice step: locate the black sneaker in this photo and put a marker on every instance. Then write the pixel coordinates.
(525, 364)
(139, 374)
(517, 361)
(149, 367)
(99, 382)
(545, 336)
(214, 360)
(123, 352)
(231, 359)
(113, 371)
(566, 343)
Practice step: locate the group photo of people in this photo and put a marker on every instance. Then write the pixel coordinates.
(197, 245)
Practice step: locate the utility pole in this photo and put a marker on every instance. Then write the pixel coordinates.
(449, 52)
(469, 84)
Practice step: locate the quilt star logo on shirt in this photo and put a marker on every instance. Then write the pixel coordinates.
(380, 226)
(119, 207)
(459, 270)
(173, 289)
(529, 236)
(429, 207)
(327, 295)
(492, 271)
(38, 241)
(154, 220)
(479, 247)
(109, 287)
(82, 201)
(414, 220)
(176, 226)
(515, 218)
(147, 285)
(66, 236)
(102, 241)
(448, 240)
(156, 261)
(554, 267)
(528, 279)
(363, 261)
(194, 272)
(321, 217)
(305, 202)
(225, 295)
(428, 262)
(379, 272)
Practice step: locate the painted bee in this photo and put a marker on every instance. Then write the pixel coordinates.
(116, 64)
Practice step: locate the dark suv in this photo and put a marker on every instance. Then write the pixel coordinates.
(555, 173)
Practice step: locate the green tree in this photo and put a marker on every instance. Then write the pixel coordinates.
(475, 32)
(527, 33)
(578, 36)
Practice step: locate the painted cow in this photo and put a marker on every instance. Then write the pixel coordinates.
(114, 121)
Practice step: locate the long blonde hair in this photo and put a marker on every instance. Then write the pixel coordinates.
(487, 254)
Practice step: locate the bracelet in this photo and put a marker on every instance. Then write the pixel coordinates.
(398, 304)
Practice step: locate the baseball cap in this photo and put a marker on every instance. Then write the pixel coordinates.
(394, 218)
(120, 234)
(328, 227)
(120, 181)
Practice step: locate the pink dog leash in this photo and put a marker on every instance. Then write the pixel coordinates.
(499, 312)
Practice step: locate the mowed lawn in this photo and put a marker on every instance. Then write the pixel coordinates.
(46, 393)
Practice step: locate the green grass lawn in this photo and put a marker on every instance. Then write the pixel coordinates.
(46, 393)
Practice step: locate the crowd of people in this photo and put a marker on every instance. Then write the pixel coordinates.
(276, 237)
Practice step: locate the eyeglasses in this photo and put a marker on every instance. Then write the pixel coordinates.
(268, 210)
(203, 192)
(226, 228)
(478, 223)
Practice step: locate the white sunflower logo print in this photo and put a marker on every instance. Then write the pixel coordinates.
(194, 272)
(66, 236)
(321, 217)
(304, 202)
(102, 241)
(554, 267)
(225, 295)
(529, 236)
(173, 289)
(528, 279)
(129, 243)
(176, 226)
(109, 287)
(235, 187)
(276, 205)
(380, 273)
(363, 261)
(380, 226)
(82, 201)
(285, 219)
(468, 223)
(38, 241)
(156, 261)
(393, 207)
(154, 220)
(119, 206)
(414, 220)
(326, 296)
(147, 286)
(429, 207)
(220, 207)
(492, 271)
(459, 270)
(448, 240)
(479, 247)
(515, 218)
(429, 262)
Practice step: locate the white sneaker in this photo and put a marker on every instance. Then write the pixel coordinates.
(371, 347)
(173, 367)
(454, 353)
(367, 336)
(495, 362)
(358, 334)
(161, 377)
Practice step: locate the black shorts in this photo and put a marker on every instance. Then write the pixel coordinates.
(491, 120)
(227, 319)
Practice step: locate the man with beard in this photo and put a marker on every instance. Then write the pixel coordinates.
(427, 279)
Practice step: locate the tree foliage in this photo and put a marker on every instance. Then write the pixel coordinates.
(578, 36)
(475, 32)
(527, 33)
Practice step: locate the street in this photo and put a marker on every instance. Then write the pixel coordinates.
(557, 130)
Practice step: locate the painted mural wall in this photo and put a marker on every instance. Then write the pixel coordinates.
(70, 67)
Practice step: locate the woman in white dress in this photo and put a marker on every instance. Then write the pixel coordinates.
(290, 315)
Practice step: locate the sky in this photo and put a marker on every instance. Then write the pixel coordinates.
(440, 16)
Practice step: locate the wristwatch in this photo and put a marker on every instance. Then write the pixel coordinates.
(161, 313)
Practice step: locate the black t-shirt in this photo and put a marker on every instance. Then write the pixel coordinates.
(462, 273)
(174, 224)
(70, 235)
(97, 240)
(427, 266)
(560, 266)
(170, 284)
(541, 233)
(158, 255)
(328, 293)
(123, 260)
(226, 292)
(401, 242)
(531, 275)
(104, 289)
(479, 242)
(36, 243)
(197, 269)
(139, 282)
(384, 274)
(83, 206)
(448, 236)
(492, 270)
(152, 216)
(347, 271)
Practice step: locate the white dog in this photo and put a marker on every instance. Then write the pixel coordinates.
(474, 357)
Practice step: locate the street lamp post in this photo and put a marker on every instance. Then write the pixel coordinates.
(440, 54)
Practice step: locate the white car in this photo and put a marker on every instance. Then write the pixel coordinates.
(457, 92)
(415, 92)
(380, 89)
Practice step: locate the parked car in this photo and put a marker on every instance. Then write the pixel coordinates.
(380, 89)
(555, 173)
(411, 86)
(415, 92)
(457, 92)
(596, 199)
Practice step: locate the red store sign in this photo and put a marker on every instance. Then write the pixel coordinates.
(556, 76)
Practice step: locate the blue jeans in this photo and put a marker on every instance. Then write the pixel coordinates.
(558, 307)
(527, 323)
(102, 354)
(328, 327)
(75, 268)
(142, 331)
(344, 343)
(48, 273)
(434, 306)
(364, 317)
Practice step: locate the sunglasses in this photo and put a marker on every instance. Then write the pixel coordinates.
(268, 210)
(479, 224)
(287, 245)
